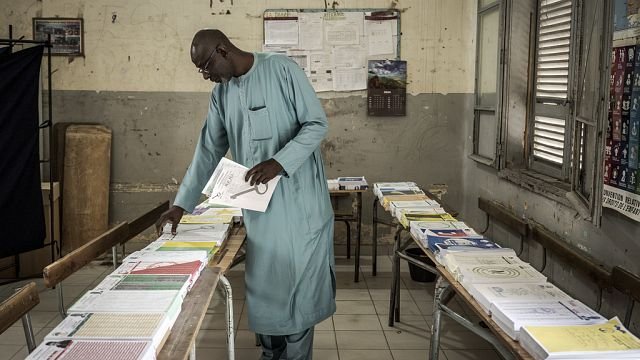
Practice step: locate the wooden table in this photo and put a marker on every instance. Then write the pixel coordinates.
(354, 216)
(180, 345)
(446, 288)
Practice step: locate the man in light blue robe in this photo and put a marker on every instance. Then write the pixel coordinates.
(266, 112)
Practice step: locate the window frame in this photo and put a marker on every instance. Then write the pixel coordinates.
(478, 109)
(579, 188)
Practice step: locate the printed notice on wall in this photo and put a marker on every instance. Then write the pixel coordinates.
(333, 47)
(621, 165)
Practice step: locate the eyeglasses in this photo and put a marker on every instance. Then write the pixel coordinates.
(206, 65)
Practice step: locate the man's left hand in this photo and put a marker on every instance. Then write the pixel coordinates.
(263, 172)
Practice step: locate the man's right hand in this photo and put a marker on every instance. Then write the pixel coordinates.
(173, 216)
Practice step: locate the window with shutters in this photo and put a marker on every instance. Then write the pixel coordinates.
(550, 149)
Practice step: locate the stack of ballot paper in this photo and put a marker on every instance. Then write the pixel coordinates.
(517, 272)
(180, 283)
(608, 341)
(383, 186)
(397, 206)
(207, 208)
(455, 261)
(511, 316)
(333, 184)
(488, 294)
(389, 192)
(432, 233)
(406, 217)
(147, 301)
(157, 268)
(196, 232)
(352, 183)
(152, 327)
(94, 350)
(213, 216)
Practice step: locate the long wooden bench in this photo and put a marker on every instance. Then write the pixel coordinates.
(18, 306)
(61, 269)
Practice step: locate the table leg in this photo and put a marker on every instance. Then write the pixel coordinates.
(437, 315)
(395, 277)
(358, 209)
(226, 287)
(374, 234)
(356, 275)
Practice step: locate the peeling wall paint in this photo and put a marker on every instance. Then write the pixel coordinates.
(154, 134)
(143, 45)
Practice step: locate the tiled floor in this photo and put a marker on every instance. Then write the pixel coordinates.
(358, 329)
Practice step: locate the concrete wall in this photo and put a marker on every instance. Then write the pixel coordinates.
(137, 78)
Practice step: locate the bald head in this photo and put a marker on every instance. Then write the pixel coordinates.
(216, 57)
(205, 41)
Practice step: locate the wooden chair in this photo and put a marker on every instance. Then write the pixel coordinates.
(18, 306)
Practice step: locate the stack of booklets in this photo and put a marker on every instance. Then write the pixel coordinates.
(385, 186)
(511, 316)
(397, 206)
(608, 341)
(159, 268)
(353, 183)
(333, 184)
(94, 350)
(179, 283)
(133, 301)
(208, 208)
(191, 237)
(152, 327)
(348, 183)
(406, 217)
(213, 216)
(401, 191)
(482, 267)
(439, 236)
(488, 294)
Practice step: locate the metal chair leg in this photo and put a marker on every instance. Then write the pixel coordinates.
(61, 309)
(114, 255)
(28, 332)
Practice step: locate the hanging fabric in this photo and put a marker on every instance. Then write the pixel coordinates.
(22, 225)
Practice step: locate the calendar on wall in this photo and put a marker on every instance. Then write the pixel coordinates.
(387, 88)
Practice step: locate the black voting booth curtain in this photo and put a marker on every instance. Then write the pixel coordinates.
(22, 226)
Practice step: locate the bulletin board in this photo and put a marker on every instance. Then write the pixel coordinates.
(333, 47)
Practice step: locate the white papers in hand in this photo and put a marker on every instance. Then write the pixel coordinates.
(227, 187)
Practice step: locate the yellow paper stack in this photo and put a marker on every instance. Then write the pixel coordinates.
(607, 341)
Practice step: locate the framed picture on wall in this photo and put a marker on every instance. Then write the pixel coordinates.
(67, 34)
